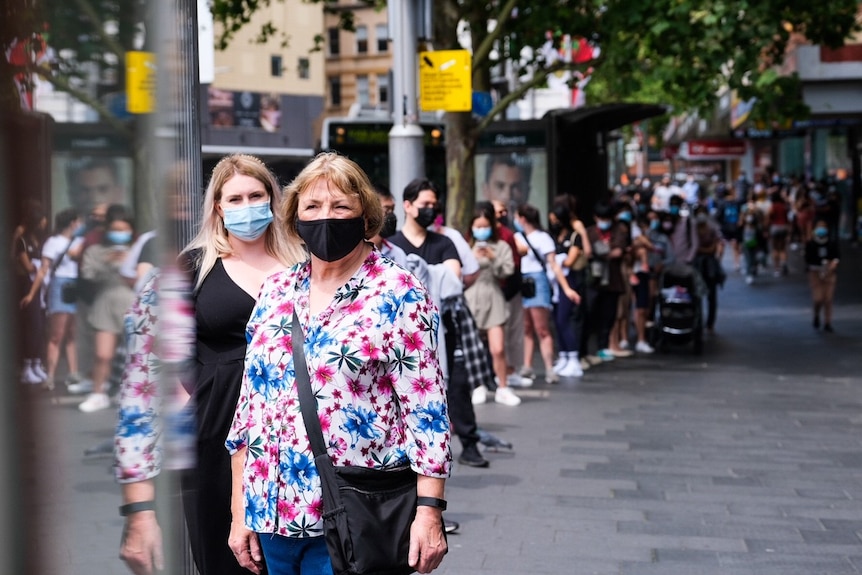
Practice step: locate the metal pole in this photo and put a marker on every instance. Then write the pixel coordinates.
(406, 139)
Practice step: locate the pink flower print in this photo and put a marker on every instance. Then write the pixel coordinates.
(413, 342)
(288, 510)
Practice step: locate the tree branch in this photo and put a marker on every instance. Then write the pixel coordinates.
(516, 94)
(484, 48)
(63, 85)
(98, 26)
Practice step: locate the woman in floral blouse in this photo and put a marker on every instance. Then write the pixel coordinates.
(370, 342)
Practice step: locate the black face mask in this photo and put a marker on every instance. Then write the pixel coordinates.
(426, 216)
(504, 220)
(331, 240)
(555, 229)
(390, 223)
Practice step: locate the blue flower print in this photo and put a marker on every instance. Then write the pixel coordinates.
(264, 377)
(255, 512)
(388, 308)
(412, 296)
(432, 418)
(134, 422)
(298, 468)
(317, 339)
(359, 424)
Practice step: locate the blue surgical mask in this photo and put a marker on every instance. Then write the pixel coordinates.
(821, 232)
(654, 224)
(624, 216)
(518, 226)
(117, 237)
(674, 210)
(248, 222)
(604, 225)
(482, 234)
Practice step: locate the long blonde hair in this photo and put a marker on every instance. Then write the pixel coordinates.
(212, 238)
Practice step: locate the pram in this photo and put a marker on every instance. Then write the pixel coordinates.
(679, 309)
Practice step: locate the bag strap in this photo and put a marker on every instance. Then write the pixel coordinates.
(307, 401)
(536, 253)
(55, 264)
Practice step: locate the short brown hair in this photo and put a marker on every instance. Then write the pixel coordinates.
(347, 177)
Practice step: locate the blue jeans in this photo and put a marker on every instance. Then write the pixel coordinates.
(294, 555)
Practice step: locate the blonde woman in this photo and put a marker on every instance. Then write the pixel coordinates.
(241, 242)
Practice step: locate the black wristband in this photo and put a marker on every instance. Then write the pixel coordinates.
(136, 507)
(432, 502)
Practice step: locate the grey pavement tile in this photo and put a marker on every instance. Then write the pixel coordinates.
(697, 557)
(846, 524)
(793, 564)
(822, 493)
(698, 529)
(573, 545)
(831, 536)
(801, 548)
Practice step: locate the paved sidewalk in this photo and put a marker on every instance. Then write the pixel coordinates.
(745, 460)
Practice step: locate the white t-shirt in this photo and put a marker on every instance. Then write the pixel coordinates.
(56, 245)
(469, 263)
(543, 243)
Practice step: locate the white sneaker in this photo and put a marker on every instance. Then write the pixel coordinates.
(39, 370)
(480, 395)
(585, 365)
(95, 402)
(29, 377)
(749, 279)
(572, 369)
(562, 360)
(506, 396)
(624, 344)
(515, 380)
(80, 387)
(643, 347)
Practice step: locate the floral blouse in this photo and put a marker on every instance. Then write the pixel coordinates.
(137, 445)
(372, 357)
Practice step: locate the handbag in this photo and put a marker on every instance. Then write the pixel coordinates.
(80, 290)
(367, 513)
(528, 287)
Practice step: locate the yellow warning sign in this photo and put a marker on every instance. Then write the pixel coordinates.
(140, 82)
(445, 81)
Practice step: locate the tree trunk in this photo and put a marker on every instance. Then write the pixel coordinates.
(460, 169)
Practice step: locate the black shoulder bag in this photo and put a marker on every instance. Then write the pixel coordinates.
(367, 513)
(528, 285)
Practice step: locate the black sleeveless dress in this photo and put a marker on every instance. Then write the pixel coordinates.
(222, 309)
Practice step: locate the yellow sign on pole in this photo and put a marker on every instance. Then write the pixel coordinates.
(445, 81)
(140, 82)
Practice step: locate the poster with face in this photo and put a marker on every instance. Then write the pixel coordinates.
(90, 183)
(513, 178)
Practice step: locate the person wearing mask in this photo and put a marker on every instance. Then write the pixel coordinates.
(514, 328)
(683, 239)
(100, 265)
(728, 214)
(381, 401)
(537, 251)
(241, 241)
(821, 259)
(59, 268)
(420, 210)
(605, 280)
(619, 344)
(572, 245)
(486, 302)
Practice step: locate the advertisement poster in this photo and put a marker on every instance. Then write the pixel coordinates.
(85, 181)
(230, 109)
(514, 178)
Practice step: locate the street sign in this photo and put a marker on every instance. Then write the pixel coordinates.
(445, 81)
(140, 82)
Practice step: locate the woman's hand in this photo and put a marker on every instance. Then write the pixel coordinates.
(574, 296)
(246, 547)
(484, 252)
(25, 301)
(427, 540)
(141, 547)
